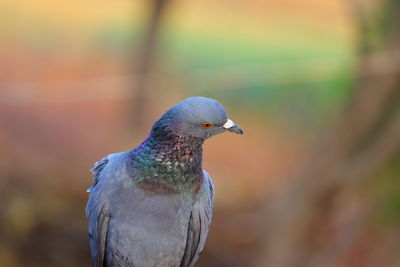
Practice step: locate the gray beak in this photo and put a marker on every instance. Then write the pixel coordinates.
(232, 127)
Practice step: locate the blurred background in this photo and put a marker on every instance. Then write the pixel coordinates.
(315, 180)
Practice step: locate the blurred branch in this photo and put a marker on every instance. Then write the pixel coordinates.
(364, 139)
(145, 60)
(293, 213)
(380, 63)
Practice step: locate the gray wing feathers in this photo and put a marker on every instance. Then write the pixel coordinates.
(97, 235)
(96, 170)
(98, 217)
(192, 240)
(199, 223)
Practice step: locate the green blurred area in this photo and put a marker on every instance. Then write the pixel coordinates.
(278, 59)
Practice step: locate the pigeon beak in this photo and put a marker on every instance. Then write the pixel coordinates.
(232, 127)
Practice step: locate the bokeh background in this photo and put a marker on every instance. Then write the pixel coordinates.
(315, 180)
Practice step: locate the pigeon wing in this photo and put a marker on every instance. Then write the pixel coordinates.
(98, 216)
(199, 223)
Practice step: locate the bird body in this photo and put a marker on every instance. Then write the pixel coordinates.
(152, 206)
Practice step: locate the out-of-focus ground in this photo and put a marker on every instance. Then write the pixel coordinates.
(283, 69)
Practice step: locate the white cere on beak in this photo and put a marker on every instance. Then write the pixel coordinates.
(228, 124)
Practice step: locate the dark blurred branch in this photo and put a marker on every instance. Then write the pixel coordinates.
(364, 139)
(293, 215)
(145, 60)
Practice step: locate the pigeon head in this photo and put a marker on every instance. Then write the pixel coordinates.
(198, 117)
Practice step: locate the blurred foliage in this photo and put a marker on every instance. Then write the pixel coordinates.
(378, 25)
(385, 195)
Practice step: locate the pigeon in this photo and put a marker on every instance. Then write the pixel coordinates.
(152, 206)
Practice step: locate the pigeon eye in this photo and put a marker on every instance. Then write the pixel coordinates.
(206, 125)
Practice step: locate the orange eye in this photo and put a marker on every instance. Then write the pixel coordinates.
(206, 125)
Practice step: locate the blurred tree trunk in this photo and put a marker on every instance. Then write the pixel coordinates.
(145, 61)
(317, 218)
